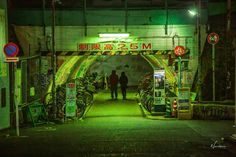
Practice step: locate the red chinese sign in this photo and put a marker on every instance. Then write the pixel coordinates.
(180, 50)
(114, 46)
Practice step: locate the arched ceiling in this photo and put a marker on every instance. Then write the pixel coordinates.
(77, 66)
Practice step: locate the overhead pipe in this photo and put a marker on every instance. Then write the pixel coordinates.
(229, 10)
(126, 15)
(167, 17)
(85, 18)
(53, 60)
(199, 50)
(43, 18)
(228, 40)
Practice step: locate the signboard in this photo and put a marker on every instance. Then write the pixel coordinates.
(159, 87)
(114, 46)
(184, 98)
(70, 100)
(180, 51)
(11, 59)
(213, 38)
(11, 50)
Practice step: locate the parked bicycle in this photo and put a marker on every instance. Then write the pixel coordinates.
(145, 92)
(84, 99)
(84, 95)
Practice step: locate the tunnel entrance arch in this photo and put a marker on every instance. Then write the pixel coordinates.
(79, 62)
(77, 66)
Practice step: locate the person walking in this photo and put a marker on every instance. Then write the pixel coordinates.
(123, 84)
(113, 80)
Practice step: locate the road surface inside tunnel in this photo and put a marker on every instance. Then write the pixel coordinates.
(104, 106)
(117, 129)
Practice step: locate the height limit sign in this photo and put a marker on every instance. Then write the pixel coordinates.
(213, 38)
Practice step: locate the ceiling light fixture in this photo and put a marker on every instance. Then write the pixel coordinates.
(113, 35)
(192, 12)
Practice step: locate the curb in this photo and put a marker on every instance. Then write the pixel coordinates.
(149, 116)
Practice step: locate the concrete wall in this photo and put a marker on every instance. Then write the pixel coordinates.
(103, 17)
(68, 37)
(143, 25)
(4, 77)
(213, 112)
(135, 67)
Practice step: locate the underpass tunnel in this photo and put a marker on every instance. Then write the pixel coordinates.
(78, 56)
(135, 67)
(75, 62)
(77, 66)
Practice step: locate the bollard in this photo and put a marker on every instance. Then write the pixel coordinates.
(168, 108)
(174, 108)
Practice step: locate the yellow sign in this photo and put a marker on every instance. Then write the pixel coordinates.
(11, 59)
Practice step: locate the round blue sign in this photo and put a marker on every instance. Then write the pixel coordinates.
(11, 50)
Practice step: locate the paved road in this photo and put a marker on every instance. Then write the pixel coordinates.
(117, 128)
(104, 106)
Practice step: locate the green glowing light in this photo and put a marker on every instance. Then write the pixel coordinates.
(113, 35)
(192, 12)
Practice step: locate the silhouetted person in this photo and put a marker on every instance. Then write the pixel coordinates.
(123, 84)
(113, 80)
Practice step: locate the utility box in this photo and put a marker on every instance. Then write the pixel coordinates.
(184, 104)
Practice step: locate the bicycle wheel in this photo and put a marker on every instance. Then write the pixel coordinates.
(149, 104)
(80, 107)
(88, 98)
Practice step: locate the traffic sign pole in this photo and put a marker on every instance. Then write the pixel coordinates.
(213, 72)
(16, 102)
(213, 39)
(179, 51)
(11, 51)
(179, 72)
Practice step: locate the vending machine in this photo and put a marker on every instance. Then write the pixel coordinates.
(159, 91)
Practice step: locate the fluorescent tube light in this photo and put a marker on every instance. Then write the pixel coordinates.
(113, 35)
